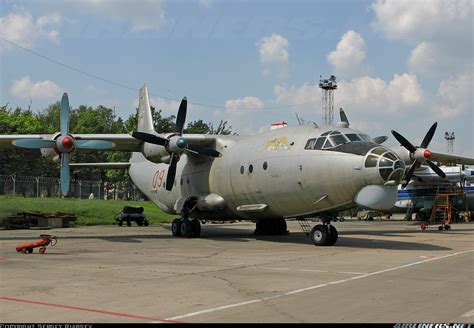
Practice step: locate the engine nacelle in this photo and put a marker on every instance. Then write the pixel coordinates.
(155, 153)
(50, 154)
(403, 153)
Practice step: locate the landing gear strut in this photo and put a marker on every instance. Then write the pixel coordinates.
(185, 227)
(324, 234)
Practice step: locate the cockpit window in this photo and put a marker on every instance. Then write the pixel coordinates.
(338, 139)
(325, 133)
(353, 137)
(310, 144)
(328, 144)
(319, 143)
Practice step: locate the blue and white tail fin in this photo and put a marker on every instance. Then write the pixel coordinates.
(145, 119)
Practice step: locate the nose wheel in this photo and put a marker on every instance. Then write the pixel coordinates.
(324, 235)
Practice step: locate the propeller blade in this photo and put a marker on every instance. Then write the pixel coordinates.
(404, 142)
(343, 116)
(64, 115)
(380, 140)
(435, 168)
(204, 150)
(151, 138)
(409, 174)
(429, 135)
(34, 143)
(171, 172)
(65, 174)
(181, 118)
(94, 144)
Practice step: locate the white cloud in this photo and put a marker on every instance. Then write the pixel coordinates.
(363, 94)
(440, 29)
(144, 15)
(349, 55)
(248, 102)
(206, 3)
(41, 90)
(22, 28)
(456, 96)
(273, 51)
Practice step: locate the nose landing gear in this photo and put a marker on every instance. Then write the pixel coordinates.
(323, 234)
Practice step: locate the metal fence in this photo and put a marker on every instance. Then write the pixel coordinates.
(29, 186)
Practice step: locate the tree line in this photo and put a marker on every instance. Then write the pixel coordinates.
(84, 120)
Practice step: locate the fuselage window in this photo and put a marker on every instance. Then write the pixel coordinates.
(353, 137)
(250, 168)
(265, 165)
(242, 169)
(310, 144)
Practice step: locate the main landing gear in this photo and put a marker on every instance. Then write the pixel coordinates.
(321, 234)
(324, 235)
(185, 227)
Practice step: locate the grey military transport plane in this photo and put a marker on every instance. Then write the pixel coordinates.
(292, 172)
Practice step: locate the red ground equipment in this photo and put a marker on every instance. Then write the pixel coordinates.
(41, 243)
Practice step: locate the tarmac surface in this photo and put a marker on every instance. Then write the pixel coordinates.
(379, 271)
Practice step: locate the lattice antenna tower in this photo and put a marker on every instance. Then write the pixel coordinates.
(449, 136)
(328, 86)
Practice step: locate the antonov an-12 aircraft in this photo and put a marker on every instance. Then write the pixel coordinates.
(293, 172)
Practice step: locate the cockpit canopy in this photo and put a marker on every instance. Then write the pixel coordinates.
(332, 139)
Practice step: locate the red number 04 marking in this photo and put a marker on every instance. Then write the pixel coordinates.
(157, 180)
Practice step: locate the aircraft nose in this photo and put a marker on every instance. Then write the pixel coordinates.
(386, 163)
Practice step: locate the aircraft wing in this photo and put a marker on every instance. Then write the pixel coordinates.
(447, 159)
(6, 140)
(122, 142)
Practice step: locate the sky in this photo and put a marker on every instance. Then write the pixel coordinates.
(399, 64)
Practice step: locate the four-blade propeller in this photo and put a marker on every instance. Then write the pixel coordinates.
(175, 144)
(64, 144)
(419, 154)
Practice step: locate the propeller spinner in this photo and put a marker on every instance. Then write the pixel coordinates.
(175, 144)
(419, 154)
(64, 144)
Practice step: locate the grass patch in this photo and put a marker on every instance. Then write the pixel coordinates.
(88, 212)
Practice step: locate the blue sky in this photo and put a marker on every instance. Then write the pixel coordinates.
(400, 64)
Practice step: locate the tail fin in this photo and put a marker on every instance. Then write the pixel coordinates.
(145, 119)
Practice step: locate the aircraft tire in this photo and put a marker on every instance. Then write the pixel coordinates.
(332, 235)
(320, 235)
(186, 228)
(195, 228)
(176, 227)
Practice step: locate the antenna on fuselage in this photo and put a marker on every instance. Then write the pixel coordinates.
(297, 117)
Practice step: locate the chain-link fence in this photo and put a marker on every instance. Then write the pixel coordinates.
(29, 186)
